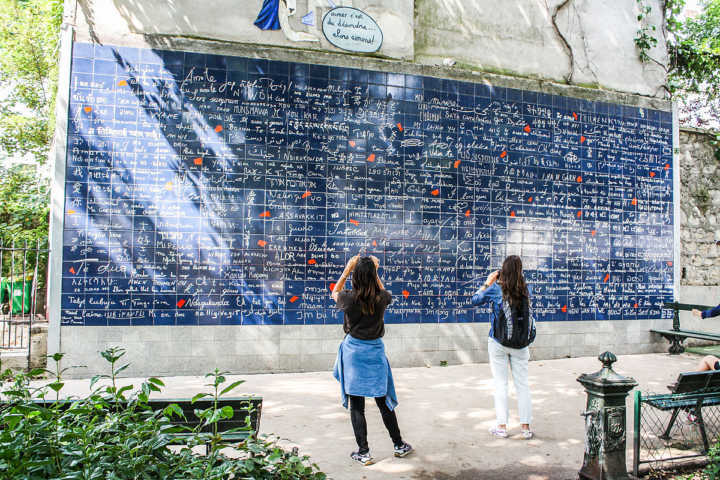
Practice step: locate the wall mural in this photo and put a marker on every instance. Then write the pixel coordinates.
(206, 190)
(275, 14)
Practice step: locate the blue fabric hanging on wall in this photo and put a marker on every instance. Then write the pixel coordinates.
(268, 19)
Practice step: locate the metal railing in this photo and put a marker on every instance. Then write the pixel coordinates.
(674, 429)
(22, 272)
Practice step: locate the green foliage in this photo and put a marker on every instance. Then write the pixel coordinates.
(693, 46)
(713, 468)
(113, 434)
(24, 208)
(695, 51)
(645, 39)
(29, 34)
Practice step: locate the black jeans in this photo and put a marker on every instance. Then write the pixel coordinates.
(357, 417)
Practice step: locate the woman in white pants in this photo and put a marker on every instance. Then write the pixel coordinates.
(507, 285)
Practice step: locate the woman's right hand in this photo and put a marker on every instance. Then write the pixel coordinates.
(697, 312)
(492, 278)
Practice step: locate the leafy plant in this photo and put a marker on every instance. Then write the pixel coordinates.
(113, 434)
(645, 39)
(713, 468)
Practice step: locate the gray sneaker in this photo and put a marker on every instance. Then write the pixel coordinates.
(402, 450)
(363, 458)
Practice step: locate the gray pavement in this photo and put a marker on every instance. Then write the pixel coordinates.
(445, 413)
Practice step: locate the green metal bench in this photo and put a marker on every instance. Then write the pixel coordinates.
(676, 336)
(692, 391)
(235, 429)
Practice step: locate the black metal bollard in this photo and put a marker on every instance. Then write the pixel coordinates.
(605, 420)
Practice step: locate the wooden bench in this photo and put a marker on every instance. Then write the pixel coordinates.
(676, 336)
(692, 391)
(233, 429)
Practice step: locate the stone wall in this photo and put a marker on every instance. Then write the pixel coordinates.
(700, 209)
(699, 228)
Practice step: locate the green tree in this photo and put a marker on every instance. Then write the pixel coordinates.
(693, 48)
(24, 207)
(29, 35)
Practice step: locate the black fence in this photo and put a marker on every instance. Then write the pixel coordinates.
(23, 272)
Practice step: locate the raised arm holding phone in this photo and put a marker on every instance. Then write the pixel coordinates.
(361, 367)
(512, 329)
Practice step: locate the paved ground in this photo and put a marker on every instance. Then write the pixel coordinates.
(444, 413)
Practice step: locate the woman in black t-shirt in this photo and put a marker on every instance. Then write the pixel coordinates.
(362, 367)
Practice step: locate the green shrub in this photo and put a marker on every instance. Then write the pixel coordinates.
(113, 434)
(713, 467)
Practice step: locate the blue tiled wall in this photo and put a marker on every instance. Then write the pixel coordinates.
(205, 190)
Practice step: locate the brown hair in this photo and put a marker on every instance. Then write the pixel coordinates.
(365, 286)
(512, 281)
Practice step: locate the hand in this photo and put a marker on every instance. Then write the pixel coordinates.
(375, 261)
(351, 265)
(697, 312)
(492, 278)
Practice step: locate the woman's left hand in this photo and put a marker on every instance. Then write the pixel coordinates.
(492, 278)
(351, 264)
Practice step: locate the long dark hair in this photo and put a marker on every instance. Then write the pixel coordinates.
(512, 281)
(365, 287)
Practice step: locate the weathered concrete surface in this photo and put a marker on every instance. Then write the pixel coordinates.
(130, 21)
(444, 413)
(581, 42)
(189, 350)
(573, 41)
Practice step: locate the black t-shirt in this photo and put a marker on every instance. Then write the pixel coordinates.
(356, 323)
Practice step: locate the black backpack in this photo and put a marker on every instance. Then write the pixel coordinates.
(515, 326)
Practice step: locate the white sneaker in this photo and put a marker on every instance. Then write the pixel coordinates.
(498, 432)
(526, 434)
(363, 458)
